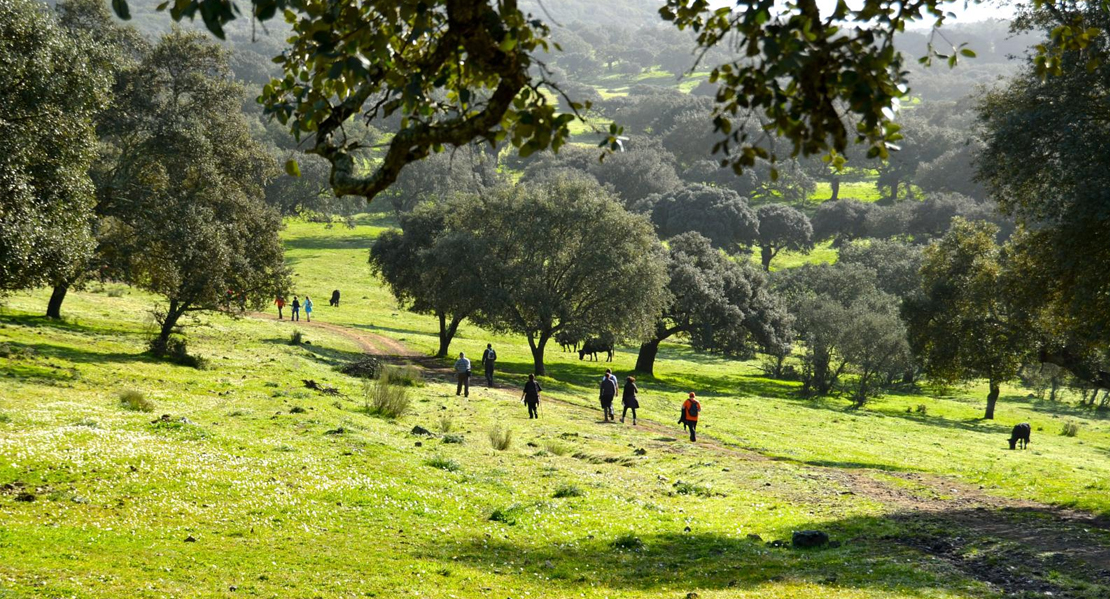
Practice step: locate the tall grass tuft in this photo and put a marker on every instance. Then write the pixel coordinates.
(404, 376)
(556, 448)
(445, 423)
(296, 338)
(500, 439)
(383, 398)
(133, 400)
(568, 491)
(444, 463)
(1070, 429)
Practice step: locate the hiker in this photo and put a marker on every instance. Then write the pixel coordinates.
(628, 398)
(296, 315)
(488, 358)
(307, 309)
(280, 303)
(608, 392)
(334, 299)
(462, 370)
(531, 396)
(690, 411)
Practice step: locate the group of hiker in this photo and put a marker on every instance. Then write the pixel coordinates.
(530, 396)
(296, 305)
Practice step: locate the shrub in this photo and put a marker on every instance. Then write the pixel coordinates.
(176, 350)
(117, 292)
(1070, 429)
(5, 350)
(568, 491)
(628, 542)
(404, 376)
(500, 439)
(367, 367)
(386, 399)
(921, 409)
(556, 448)
(444, 463)
(683, 488)
(4, 418)
(453, 439)
(135, 401)
(296, 338)
(506, 515)
(445, 424)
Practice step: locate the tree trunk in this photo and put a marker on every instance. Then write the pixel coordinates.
(645, 360)
(766, 254)
(172, 315)
(446, 333)
(894, 185)
(992, 398)
(54, 307)
(834, 184)
(537, 353)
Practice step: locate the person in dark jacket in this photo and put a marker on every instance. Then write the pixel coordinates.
(628, 398)
(531, 396)
(691, 409)
(608, 392)
(488, 358)
(296, 315)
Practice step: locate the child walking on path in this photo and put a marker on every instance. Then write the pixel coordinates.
(628, 398)
(296, 315)
(690, 411)
(307, 308)
(531, 396)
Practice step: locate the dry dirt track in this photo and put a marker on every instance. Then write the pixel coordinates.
(1018, 547)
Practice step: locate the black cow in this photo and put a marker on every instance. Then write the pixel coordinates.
(334, 299)
(1020, 434)
(568, 341)
(592, 346)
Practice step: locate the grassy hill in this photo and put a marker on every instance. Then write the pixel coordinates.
(270, 489)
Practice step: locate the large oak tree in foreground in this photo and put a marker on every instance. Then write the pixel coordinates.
(458, 71)
(182, 209)
(561, 255)
(50, 90)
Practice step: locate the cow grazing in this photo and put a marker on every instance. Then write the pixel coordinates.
(568, 341)
(1020, 434)
(592, 346)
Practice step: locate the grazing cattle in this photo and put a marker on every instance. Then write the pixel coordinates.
(1020, 434)
(569, 341)
(592, 346)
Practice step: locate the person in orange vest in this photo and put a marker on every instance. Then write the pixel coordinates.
(690, 411)
(280, 303)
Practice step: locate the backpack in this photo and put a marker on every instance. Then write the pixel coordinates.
(608, 386)
(491, 355)
(693, 409)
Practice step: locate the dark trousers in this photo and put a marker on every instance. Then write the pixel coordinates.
(607, 407)
(464, 382)
(625, 412)
(693, 426)
(296, 315)
(533, 409)
(489, 373)
(279, 312)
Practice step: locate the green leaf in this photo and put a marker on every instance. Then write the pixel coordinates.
(292, 168)
(968, 52)
(121, 9)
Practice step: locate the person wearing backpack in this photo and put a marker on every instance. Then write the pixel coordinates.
(488, 358)
(296, 315)
(608, 392)
(628, 398)
(531, 396)
(690, 411)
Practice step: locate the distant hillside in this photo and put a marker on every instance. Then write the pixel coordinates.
(627, 13)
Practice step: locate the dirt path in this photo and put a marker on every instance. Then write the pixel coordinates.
(1016, 547)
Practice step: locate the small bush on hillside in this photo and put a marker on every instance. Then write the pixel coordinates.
(500, 439)
(683, 488)
(405, 376)
(1070, 429)
(176, 350)
(366, 367)
(453, 439)
(921, 409)
(4, 418)
(628, 542)
(386, 399)
(117, 292)
(506, 515)
(5, 350)
(135, 401)
(568, 491)
(556, 448)
(296, 338)
(444, 463)
(445, 423)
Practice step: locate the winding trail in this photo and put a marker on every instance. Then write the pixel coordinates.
(1015, 546)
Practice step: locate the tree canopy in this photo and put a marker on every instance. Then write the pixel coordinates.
(721, 215)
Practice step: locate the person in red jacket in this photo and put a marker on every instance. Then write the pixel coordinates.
(690, 411)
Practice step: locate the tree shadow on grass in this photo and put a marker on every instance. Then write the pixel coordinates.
(40, 351)
(330, 243)
(1058, 408)
(326, 354)
(1009, 550)
(65, 324)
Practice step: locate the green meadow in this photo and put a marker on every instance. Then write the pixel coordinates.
(254, 484)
